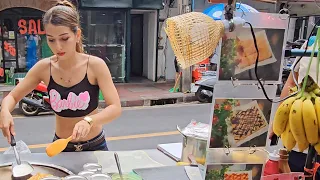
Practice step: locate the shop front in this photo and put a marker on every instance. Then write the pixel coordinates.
(22, 38)
(104, 32)
(107, 31)
(124, 34)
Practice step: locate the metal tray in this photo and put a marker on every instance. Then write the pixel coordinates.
(5, 170)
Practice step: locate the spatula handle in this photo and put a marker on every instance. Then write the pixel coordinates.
(13, 144)
(13, 141)
(69, 138)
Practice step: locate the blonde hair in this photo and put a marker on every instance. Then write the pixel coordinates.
(64, 14)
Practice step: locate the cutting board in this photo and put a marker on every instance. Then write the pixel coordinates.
(163, 173)
(173, 150)
(128, 161)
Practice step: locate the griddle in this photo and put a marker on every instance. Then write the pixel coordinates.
(58, 171)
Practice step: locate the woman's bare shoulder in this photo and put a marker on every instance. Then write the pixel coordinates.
(96, 61)
(44, 63)
(41, 69)
(98, 66)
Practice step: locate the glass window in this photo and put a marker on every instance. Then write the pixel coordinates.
(104, 33)
(23, 40)
(32, 43)
(9, 48)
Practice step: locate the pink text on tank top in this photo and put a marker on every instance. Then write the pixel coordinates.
(73, 102)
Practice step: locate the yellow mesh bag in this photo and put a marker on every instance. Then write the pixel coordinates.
(193, 37)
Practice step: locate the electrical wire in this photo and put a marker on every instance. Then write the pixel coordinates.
(293, 66)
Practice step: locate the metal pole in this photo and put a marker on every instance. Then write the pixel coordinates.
(310, 163)
(186, 78)
(179, 5)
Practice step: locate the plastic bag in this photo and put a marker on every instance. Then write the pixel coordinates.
(196, 129)
(21, 147)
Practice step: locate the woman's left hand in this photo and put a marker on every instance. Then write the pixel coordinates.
(81, 130)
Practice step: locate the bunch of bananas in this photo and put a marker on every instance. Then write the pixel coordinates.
(297, 120)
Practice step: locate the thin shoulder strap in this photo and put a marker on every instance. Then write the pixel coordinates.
(88, 64)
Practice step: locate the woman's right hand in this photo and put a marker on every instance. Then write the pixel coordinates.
(6, 124)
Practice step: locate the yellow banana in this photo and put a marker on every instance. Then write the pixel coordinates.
(317, 108)
(281, 116)
(303, 146)
(296, 123)
(287, 138)
(310, 121)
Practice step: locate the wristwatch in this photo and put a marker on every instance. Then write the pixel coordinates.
(89, 120)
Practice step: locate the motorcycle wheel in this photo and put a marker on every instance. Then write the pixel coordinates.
(201, 97)
(29, 110)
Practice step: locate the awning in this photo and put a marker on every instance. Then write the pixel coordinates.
(147, 4)
(42, 5)
(106, 3)
(131, 4)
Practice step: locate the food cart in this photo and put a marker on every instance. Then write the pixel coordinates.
(239, 122)
(70, 163)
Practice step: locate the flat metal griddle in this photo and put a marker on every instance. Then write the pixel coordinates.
(6, 174)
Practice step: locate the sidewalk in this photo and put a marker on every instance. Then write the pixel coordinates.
(136, 94)
(149, 94)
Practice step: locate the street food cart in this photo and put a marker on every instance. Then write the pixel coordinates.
(241, 113)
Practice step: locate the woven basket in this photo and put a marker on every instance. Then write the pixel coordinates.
(193, 37)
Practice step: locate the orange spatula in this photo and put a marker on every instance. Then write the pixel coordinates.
(57, 147)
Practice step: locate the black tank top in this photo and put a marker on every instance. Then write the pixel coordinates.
(76, 101)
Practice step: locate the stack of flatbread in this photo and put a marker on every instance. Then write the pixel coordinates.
(246, 51)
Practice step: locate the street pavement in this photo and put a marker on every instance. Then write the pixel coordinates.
(137, 128)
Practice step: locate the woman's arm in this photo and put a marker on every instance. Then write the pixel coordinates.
(289, 84)
(109, 91)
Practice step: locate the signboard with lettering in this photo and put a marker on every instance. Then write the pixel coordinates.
(9, 48)
(30, 26)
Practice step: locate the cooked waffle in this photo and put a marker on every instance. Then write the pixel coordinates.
(247, 122)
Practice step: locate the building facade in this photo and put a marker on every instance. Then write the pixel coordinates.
(121, 32)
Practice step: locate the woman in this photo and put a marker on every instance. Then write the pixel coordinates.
(297, 159)
(73, 80)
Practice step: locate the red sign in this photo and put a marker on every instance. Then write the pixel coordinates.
(34, 27)
(9, 48)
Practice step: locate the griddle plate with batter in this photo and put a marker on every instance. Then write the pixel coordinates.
(6, 174)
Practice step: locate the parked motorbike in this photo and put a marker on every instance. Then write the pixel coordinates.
(205, 85)
(35, 102)
(205, 90)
